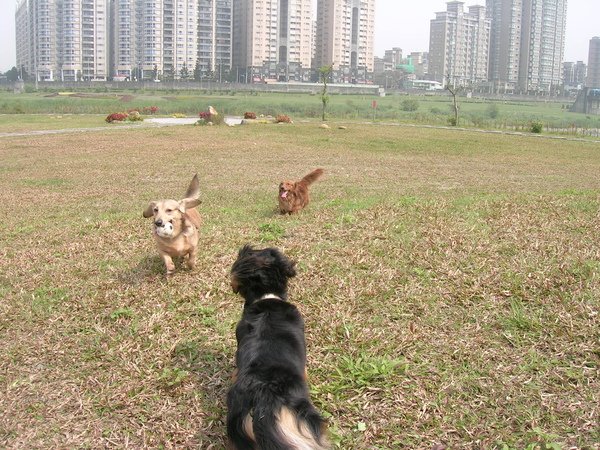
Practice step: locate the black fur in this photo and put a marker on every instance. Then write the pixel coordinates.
(271, 354)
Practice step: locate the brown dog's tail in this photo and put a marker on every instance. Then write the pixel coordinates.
(313, 176)
(261, 419)
(298, 431)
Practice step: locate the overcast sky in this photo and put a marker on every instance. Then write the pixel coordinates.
(399, 23)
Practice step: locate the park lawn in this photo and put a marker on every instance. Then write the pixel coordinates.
(430, 109)
(23, 123)
(449, 283)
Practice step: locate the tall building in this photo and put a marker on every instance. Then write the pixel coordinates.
(527, 44)
(420, 61)
(272, 38)
(63, 39)
(505, 42)
(542, 45)
(215, 36)
(574, 74)
(126, 39)
(393, 56)
(345, 37)
(459, 45)
(593, 74)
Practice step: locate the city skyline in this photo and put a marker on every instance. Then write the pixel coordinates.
(391, 29)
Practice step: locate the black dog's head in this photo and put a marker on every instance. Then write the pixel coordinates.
(260, 272)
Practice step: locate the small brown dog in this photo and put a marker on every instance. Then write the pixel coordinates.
(293, 195)
(175, 226)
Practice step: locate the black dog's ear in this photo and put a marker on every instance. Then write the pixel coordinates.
(290, 268)
(245, 251)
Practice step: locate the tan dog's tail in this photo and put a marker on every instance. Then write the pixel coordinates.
(192, 198)
(313, 176)
(193, 191)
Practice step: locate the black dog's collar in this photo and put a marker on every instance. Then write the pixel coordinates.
(270, 297)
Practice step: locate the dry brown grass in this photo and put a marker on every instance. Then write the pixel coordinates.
(449, 282)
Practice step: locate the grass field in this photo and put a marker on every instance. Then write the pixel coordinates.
(431, 109)
(449, 283)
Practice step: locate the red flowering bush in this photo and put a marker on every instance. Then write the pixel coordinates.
(215, 119)
(116, 117)
(249, 115)
(283, 118)
(150, 109)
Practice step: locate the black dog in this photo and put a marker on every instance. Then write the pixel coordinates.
(268, 405)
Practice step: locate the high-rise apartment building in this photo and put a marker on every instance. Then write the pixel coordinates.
(393, 56)
(527, 44)
(125, 39)
(505, 42)
(215, 36)
(593, 74)
(345, 37)
(574, 74)
(161, 39)
(272, 38)
(63, 39)
(459, 45)
(542, 45)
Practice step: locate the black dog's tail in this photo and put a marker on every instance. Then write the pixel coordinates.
(261, 420)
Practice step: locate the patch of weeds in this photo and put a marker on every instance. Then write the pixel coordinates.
(535, 362)
(45, 299)
(347, 219)
(518, 323)
(269, 232)
(121, 313)
(187, 351)
(45, 183)
(423, 275)
(207, 316)
(585, 270)
(407, 200)
(543, 441)
(363, 372)
(172, 377)
(354, 204)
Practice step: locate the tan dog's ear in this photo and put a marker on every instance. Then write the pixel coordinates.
(193, 191)
(149, 211)
(188, 203)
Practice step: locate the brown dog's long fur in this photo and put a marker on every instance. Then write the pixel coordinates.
(268, 405)
(293, 195)
(181, 220)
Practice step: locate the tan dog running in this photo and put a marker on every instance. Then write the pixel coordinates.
(175, 226)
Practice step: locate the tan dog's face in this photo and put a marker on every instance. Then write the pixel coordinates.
(167, 216)
(285, 187)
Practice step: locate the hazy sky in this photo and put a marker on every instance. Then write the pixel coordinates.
(397, 25)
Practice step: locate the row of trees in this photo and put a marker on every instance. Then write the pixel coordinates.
(195, 74)
(15, 74)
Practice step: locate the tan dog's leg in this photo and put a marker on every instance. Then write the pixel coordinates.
(168, 263)
(191, 262)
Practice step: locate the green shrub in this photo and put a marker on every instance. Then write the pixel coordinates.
(493, 111)
(536, 127)
(135, 116)
(409, 105)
